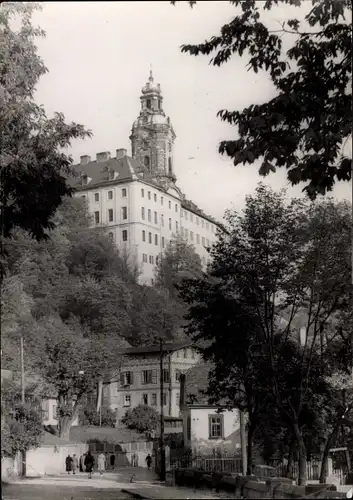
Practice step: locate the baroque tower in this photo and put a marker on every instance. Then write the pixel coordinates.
(152, 136)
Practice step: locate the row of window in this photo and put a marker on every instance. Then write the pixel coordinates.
(155, 218)
(190, 234)
(124, 235)
(151, 376)
(151, 239)
(209, 226)
(149, 259)
(97, 217)
(149, 197)
(110, 195)
(150, 399)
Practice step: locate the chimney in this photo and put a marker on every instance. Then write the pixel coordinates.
(182, 391)
(85, 159)
(104, 156)
(120, 153)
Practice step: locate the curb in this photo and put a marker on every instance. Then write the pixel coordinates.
(135, 495)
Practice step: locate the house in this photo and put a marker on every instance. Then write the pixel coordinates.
(135, 199)
(207, 428)
(138, 379)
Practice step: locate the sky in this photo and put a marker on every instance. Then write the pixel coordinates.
(99, 56)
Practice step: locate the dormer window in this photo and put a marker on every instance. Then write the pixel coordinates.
(111, 175)
(85, 179)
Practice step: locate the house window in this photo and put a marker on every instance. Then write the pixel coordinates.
(151, 259)
(207, 225)
(162, 220)
(170, 224)
(176, 207)
(156, 239)
(96, 196)
(149, 237)
(215, 426)
(191, 236)
(157, 260)
(186, 215)
(154, 197)
(191, 217)
(166, 376)
(124, 193)
(126, 378)
(124, 213)
(149, 215)
(110, 195)
(202, 223)
(127, 400)
(176, 226)
(45, 409)
(155, 218)
(177, 399)
(143, 235)
(111, 236)
(177, 374)
(143, 213)
(145, 399)
(170, 204)
(144, 257)
(198, 239)
(203, 240)
(186, 233)
(148, 103)
(96, 217)
(154, 399)
(149, 377)
(162, 200)
(110, 215)
(142, 193)
(124, 235)
(149, 195)
(164, 402)
(162, 241)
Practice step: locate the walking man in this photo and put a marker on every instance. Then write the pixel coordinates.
(149, 461)
(74, 464)
(89, 463)
(68, 463)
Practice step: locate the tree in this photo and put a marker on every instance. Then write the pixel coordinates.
(88, 415)
(34, 168)
(143, 418)
(284, 258)
(306, 126)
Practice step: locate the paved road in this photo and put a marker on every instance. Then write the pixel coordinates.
(53, 492)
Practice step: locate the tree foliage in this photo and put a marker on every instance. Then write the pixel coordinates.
(143, 418)
(306, 126)
(33, 165)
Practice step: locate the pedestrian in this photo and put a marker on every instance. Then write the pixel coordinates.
(112, 461)
(68, 463)
(74, 464)
(101, 463)
(89, 463)
(82, 462)
(149, 461)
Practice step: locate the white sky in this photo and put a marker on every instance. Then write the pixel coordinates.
(99, 54)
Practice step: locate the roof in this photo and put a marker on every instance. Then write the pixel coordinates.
(196, 384)
(155, 349)
(105, 434)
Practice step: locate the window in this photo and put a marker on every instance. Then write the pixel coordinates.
(191, 217)
(186, 233)
(110, 215)
(124, 193)
(176, 226)
(164, 399)
(207, 225)
(162, 220)
(142, 193)
(151, 259)
(111, 236)
(144, 257)
(203, 240)
(198, 238)
(145, 399)
(96, 196)
(143, 213)
(170, 224)
(143, 235)
(197, 221)
(127, 400)
(170, 204)
(156, 239)
(124, 235)
(166, 376)
(162, 200)
(149, 215)
(176, 207)
(177, 399)
(155, 197)
(202, 223)
(110, 195)
(149, 377)
(162, 241)
(126, 378)
(170, 166)
(157, 260)
(191, 236)
(155, 218)
(186, 215)
(148, 103)
(124, 213)
(149, 195)
(154, 399)
(146, 161)
(177, 374)
(45, 409)
(149, 237)
(96, 217)
(215, 426)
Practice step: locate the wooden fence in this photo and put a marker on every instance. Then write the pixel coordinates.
(211, 463)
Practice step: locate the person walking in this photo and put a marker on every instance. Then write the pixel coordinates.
(101, 463)
(89, 463)
(112, 461)
(149, 461)
(68, 463)
(74, 464)
(82, 462)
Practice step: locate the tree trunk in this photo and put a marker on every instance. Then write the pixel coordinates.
(290, 460)
(250, 449)
(324, 461)
(302, 454)
(64, 427)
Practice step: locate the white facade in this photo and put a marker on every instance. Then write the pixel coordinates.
(49, 406)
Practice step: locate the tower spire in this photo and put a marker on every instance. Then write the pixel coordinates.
(151, 75)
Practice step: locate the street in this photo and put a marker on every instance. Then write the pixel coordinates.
(52, 492)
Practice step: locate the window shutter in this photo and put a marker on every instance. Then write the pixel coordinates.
(131, 378)
(121, 379)
(209, 426)
(154, 376)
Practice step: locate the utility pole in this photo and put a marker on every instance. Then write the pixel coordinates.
(243, 443)
(161, 437)
(23, 400)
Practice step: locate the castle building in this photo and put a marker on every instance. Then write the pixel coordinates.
(136, 199)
